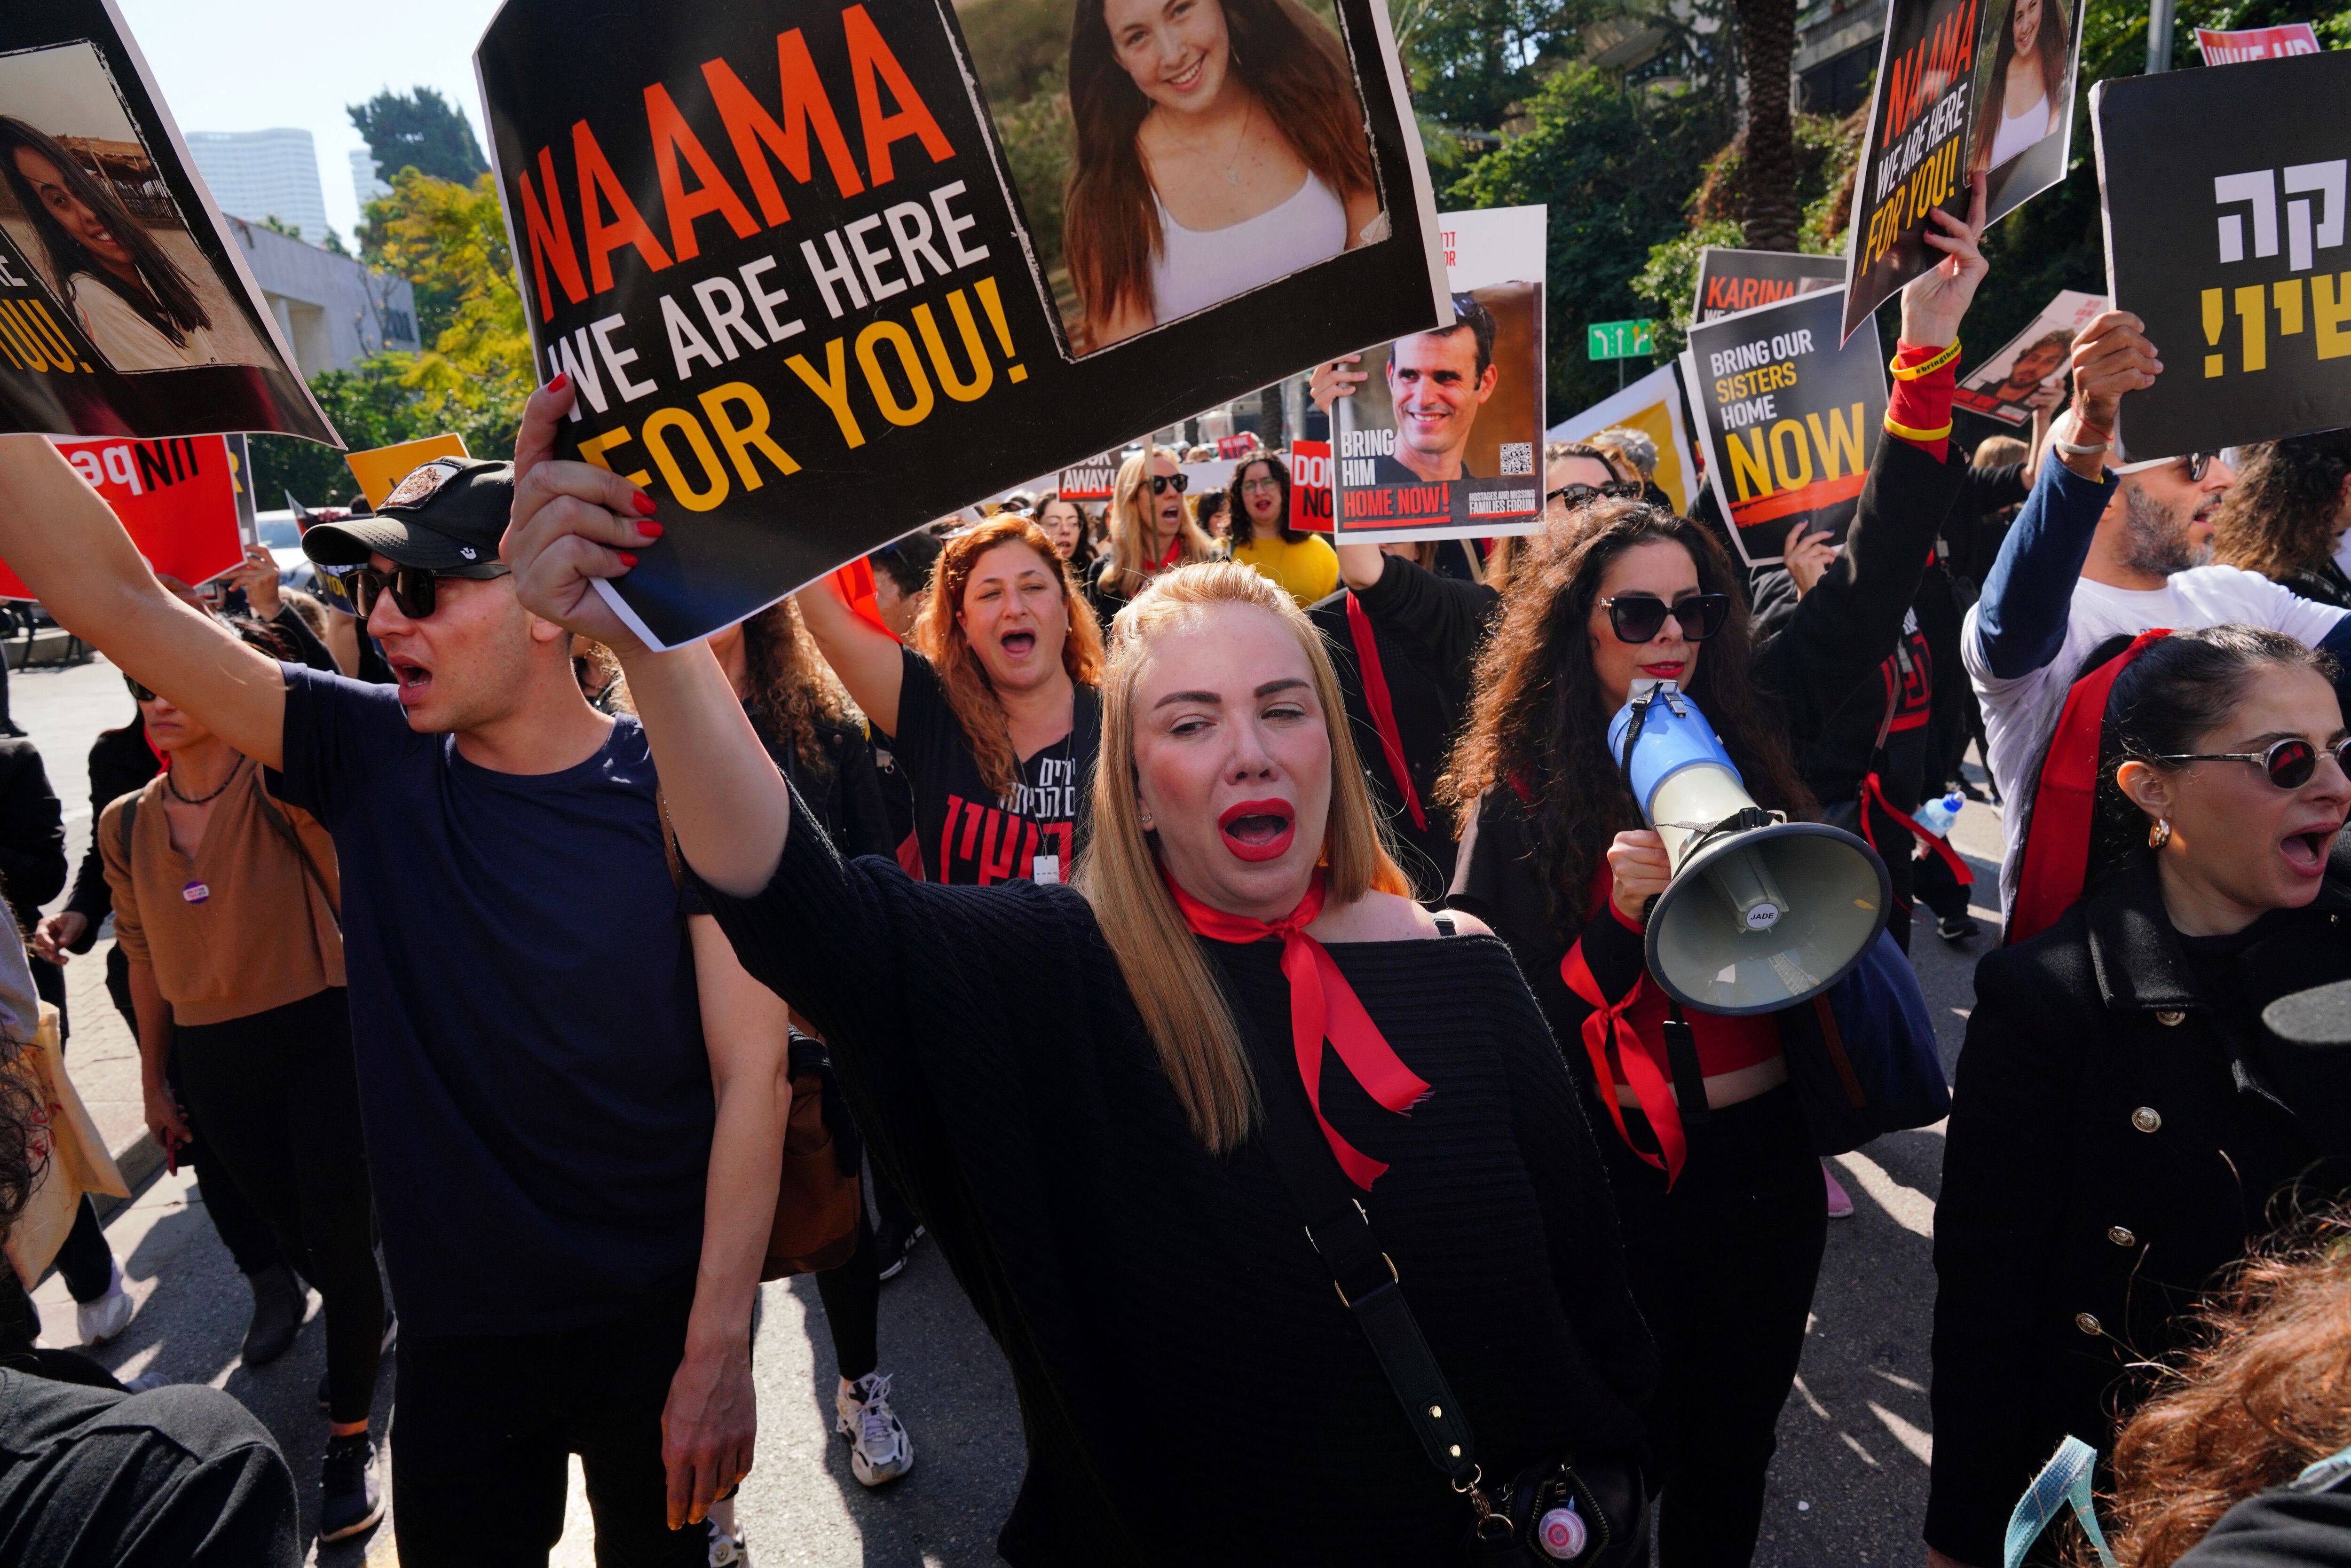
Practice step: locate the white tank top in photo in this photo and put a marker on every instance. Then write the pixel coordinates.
(2019, 132)
(1195, 269)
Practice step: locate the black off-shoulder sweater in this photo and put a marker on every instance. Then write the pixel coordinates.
(1191, 1388)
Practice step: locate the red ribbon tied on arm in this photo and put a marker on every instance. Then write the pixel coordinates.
(1322, 1006)
(1611, 1040)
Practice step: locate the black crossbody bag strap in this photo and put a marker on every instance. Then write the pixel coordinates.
(1681, 1058)
(1365, 1278)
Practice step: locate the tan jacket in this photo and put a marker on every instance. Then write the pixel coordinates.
(242, 927)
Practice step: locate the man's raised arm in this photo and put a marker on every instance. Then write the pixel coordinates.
(69, 548)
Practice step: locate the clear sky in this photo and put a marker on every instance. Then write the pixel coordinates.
(251, 65)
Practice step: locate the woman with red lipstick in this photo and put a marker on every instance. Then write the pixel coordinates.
(993, 712)
(1073, 1085)
(2124, 1120)
(1150, 531)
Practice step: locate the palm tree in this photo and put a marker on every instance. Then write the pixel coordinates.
(1767, 37)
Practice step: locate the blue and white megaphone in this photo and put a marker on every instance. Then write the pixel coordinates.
(1762, 913)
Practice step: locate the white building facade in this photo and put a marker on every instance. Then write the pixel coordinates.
(258, 174)
(333, 310)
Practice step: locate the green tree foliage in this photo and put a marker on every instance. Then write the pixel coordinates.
(278, 225)
(1473, 61)
(1616, 164)
(419, 130)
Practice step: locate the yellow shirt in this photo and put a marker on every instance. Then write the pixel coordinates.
(1308, 570)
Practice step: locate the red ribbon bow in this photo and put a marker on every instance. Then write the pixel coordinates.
(1321, 1006)
(1611, 1041)
(2057, 837)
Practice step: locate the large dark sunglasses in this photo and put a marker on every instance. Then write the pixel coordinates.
(2197, 462)
(1573, 495)
(139, 693)
(1638, 617)
(2290, 763)
(412, 587)
(1163, 483)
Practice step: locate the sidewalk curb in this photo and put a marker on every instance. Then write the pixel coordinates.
(138, 1164)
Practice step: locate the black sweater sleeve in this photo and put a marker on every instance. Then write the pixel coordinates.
(120, 762)
(2008, 1150)
(32, 830)
(1847, 625)
(1439, 620)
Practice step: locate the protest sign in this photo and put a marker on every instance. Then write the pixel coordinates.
(1309, 486)
(125, 308)
(1444, 438)
(1091, 480)
(240, 478)
(1652, 405)
(2001, 388)
(783, 254)
(1730, 280)
(2026, 58)
(1791, 417)
(1913, 157)
(2235, 49)
(381, 469)
(2228, 245)
(176, 498)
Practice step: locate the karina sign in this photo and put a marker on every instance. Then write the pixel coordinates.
(2229, 245)
(1443, 437)
(1730, 280)
(1790, 415)
(808, 297)
(177, 499)
(125, 308)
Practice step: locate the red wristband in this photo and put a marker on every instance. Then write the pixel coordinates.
(1918, 409)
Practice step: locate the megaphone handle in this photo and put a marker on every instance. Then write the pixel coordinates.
(1681, 1059)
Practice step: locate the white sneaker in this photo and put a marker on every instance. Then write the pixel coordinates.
(879, 1450)
(108, 1316)
(727, 1549)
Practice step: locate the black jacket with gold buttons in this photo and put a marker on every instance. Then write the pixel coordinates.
(2117, 1137)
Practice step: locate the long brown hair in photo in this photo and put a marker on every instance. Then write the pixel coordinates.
(792, 687)
(2052, 45)
(1538, 723)
(171, 307)
(1133, 528)
(1190, 1022)
(1280, 51)
(938, 637)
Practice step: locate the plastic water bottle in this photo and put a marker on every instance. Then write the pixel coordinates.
(1937, 816)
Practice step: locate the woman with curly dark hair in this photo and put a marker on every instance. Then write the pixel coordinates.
(1720, 1203)
(2288, 513)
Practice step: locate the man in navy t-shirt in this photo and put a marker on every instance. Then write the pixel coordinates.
(574, 1098)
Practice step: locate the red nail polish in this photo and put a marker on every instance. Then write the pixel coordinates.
(562, 379)
(642, 503)
(626, 557)
(651, 529)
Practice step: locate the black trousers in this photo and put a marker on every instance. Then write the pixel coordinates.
(242, 1229)
(852, 1304)
(1722, 1267)
(486, 1424)
(277, 1096)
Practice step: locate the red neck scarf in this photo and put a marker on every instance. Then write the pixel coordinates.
(2057, 837)
(1377, 698)
(1321, 1006)
(1175, 549)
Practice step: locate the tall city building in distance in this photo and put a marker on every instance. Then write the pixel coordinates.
(366, 184)
(260, 174)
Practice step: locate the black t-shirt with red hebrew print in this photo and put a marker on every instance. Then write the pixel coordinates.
(967, 836)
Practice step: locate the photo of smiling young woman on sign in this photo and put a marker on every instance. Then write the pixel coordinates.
(1182, 152)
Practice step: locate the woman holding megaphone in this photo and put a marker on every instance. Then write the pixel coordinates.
(1711, 1157)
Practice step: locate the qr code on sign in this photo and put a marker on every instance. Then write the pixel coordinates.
(1518, 458)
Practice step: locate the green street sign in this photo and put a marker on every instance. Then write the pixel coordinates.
(1621, 340)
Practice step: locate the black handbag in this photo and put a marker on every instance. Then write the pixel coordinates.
(1589, 1512)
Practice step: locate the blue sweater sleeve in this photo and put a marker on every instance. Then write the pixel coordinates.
(2029, 589)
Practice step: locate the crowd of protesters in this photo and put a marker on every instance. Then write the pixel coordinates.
(1172, 918)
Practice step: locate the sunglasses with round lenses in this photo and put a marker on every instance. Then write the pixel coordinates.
(1573, 495)
(1638, 617)
(412, 587)
(2291, 763)
(1163, 483)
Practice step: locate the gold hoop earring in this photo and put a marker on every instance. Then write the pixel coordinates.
(2160, 834)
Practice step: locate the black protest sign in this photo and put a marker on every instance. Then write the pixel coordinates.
(781, 252)
(1790, 415)
(1731, 281)
(2228, 245)
(125, 308)
(1914, 157)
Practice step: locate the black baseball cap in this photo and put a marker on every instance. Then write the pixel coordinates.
(446, 515)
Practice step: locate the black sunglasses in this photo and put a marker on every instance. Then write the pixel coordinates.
(139, 693)
(2197, 462)
(2291, 763)
(1163, 483)
(1638, 617)
(412, 587)
(1573, 495)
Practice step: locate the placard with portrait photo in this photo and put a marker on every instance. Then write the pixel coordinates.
(2030, 363)
(2026, 59)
